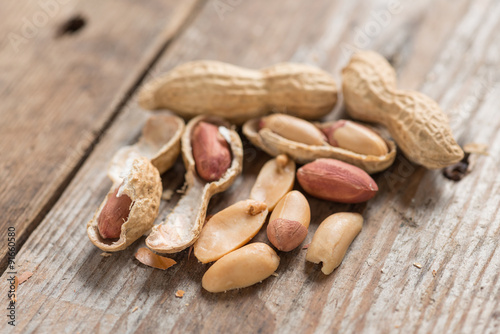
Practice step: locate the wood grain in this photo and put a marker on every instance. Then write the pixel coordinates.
(450, 51)
(59, 93)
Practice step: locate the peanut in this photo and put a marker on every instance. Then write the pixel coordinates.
(337, 181)
(356, 138)
(241, 268)
(210, 152)
(415, 121)
(238, 94)
(289, 221)
(332, 238)
(113, 215)
(275, 179)
(230, 229)
(293, 128)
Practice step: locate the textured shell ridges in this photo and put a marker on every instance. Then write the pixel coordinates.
(415, 121)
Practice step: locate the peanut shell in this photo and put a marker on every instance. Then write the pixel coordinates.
(142, 184)
(237, 94)
(274, 144)
(160, 142)
(415, 121)
(183, 226)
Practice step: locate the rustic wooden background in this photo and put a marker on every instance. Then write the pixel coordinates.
(70, 71)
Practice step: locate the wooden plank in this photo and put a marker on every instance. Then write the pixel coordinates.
(418, 216)
(59, 91)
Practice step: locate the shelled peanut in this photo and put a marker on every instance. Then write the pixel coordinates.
(210, 151)
(354, 137)
(415, 121)
(238, 94)
(241, 268)
(230, 229)
(213, 154)
(336, 181)
(304, 141)
(332, 239)
(114, 213)
(293, 128)
(289, 221)
(275, 179)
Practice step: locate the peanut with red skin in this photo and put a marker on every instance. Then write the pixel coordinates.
(211, 152)
(336, 181)
(289, 221)
(113, 215)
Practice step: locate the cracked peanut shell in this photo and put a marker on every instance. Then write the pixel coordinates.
(160, 142)
(274, 144)
(183, 226)
(142, 184)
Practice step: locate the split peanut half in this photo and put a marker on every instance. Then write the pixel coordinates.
(275, 179)
(230, 229)
(332, 239)
(241, 268)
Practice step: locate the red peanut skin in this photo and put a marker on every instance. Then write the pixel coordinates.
(114, 213)
(285, 234)
(336, 181)
(331, 130)
(211, 152)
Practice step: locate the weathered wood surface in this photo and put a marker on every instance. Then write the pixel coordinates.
(59, 90)
(449, 50)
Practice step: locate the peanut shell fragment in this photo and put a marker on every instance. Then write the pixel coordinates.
(160, 142)
(238, 94)
(230, 229)
(241, 268)
(332, 239)
(415, 121)
(150, 259)
(275, 179)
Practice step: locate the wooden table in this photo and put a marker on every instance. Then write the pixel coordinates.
(70, 72)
